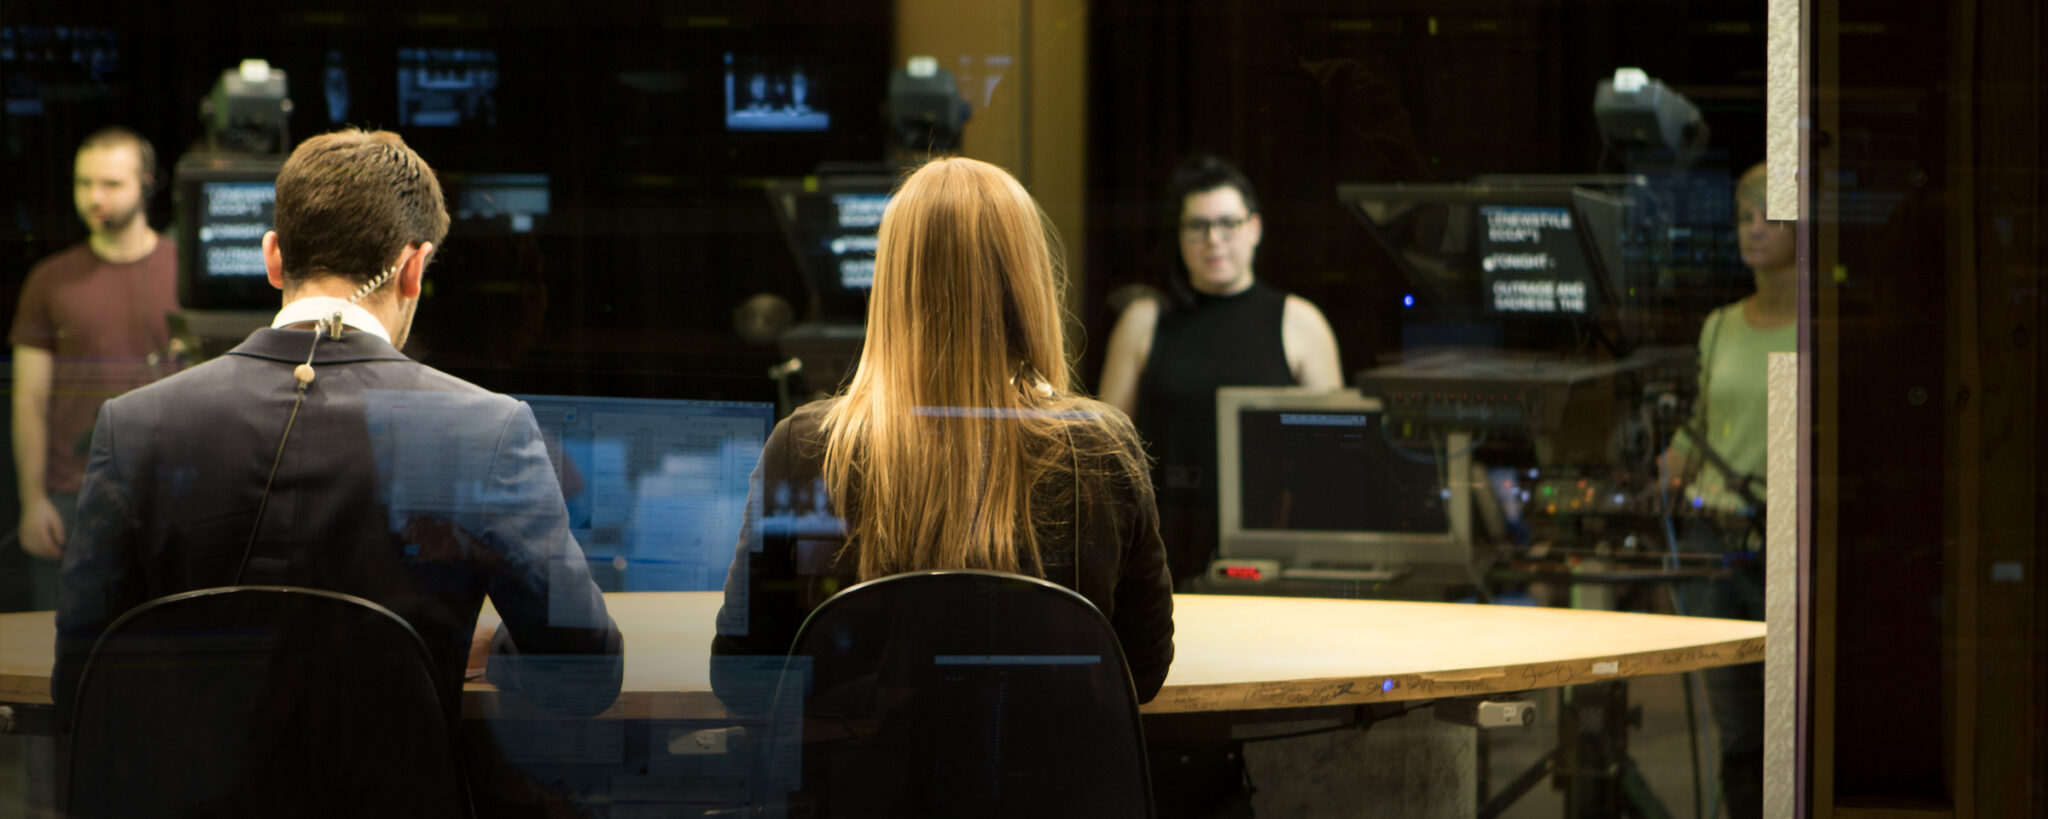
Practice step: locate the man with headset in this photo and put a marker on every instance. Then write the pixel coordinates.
(316, 454)
(89, 326)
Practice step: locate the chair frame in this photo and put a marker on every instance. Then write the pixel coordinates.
(1130, 688)
(450, 712)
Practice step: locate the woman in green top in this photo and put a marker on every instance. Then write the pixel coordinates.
(1735, 344)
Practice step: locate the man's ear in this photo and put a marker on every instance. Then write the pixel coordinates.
(273, 260)
(414, 271)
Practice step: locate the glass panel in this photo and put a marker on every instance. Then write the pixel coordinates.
(1415, 352)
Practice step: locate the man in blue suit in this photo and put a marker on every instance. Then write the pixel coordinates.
(395, 482)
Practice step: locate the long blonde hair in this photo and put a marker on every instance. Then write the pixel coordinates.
(960, 406)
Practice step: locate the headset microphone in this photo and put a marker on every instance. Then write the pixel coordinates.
(331, 327)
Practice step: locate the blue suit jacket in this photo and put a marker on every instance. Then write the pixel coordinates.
(399, 484)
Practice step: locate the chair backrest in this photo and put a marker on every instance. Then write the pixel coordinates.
(263, 700)
(965, 693)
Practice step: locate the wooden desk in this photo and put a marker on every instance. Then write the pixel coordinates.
(1233, 653)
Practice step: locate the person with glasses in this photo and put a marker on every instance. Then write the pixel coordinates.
(1221, 327)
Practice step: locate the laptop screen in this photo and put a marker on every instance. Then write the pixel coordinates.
(656, 489)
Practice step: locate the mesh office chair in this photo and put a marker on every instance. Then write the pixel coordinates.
(964, 693)
(263, 701)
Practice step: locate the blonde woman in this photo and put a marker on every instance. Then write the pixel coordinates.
(958, 443)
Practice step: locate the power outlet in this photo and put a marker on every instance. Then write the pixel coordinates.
(1487, 713)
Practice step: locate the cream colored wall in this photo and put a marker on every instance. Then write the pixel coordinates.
(1035, 122)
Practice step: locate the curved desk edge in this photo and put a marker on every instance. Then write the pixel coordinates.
(27, 644)
(1470, 682)
(483, 702)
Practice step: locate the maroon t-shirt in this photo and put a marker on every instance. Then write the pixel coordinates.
(101, 321)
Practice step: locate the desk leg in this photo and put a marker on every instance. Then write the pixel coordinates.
(1593, 766)
(29, 752)
(28, 787)
(1522, 784)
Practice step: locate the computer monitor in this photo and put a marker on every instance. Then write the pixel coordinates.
(42, 65)
(1535, 257)
(775, 91)
(447, 87)
(831, 223)
(1676, 257)
(1314, 478)
(656, 488)
(224, 204)
(497, 202)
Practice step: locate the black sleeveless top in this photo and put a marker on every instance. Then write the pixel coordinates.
(1218, 341)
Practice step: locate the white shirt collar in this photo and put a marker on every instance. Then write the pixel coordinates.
(315, 308)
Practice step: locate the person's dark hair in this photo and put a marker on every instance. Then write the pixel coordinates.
(114, 135)
(1203, 173)
(348, 202)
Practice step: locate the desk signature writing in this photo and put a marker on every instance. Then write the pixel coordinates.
(1419, 687)
(1691, 656)
(1299, 695)
(1551, 676)
(1752, 650)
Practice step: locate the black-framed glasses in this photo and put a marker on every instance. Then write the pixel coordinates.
(1226, 227)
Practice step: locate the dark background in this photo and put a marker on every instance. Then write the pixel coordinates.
(659, 226)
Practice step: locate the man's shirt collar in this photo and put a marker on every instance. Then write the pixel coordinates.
(315, 308)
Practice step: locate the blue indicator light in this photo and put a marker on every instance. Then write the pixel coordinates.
(1387, 686)
(1408, 300)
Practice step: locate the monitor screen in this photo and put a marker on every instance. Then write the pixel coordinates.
(1499, 253)
(447, 87)
(832, 227)
(65, 65)
(774, 92)
(656, 489)
(850, 230)
(1531, 261)
(1315, 479)
(499, 202)
(222, 206)
(1311, 470)
(232, 217)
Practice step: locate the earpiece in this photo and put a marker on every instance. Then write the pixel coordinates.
(333, 326)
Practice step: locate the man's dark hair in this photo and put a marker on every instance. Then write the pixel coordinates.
(1203, 173)
(115, 135)
(348, 202)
